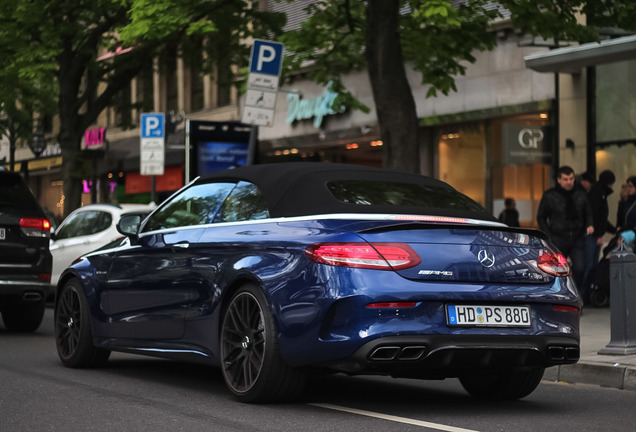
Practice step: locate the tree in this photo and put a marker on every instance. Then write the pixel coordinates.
(438, 37)
(58, 44)
(21, 91)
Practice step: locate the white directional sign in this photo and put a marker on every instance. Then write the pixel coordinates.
(262, 83)
(152, 144)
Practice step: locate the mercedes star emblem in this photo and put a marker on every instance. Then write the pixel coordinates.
(487, 259)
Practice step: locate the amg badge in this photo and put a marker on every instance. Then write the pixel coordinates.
(435, 273)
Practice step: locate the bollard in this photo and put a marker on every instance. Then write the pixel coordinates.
(622, 303)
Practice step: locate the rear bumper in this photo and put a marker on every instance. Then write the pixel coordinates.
(443, 356)
(23, 290)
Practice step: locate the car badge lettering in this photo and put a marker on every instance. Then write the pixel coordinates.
(486, 259)
(435, 272)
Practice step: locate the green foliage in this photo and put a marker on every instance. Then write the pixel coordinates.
(331, 41)
(50, 48)
(26, 75)
(572, 20)
(52, 56)
(439, 37)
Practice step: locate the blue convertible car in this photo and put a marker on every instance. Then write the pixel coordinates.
(275, 271)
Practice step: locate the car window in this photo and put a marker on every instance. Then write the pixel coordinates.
(246, 202)
(15, 195)
(84, 223)
(384, 193)
(196, 205)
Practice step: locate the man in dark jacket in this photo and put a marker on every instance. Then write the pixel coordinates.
(565, 215)
(597, 196)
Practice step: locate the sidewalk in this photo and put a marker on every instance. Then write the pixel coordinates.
(617, 371)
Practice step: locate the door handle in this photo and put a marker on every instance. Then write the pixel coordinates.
(182, 245)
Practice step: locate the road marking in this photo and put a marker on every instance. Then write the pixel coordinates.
(393, 418)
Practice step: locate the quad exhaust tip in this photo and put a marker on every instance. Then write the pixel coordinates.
(560, 353)
(398, 353)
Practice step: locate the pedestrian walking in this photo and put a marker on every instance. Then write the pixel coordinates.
(626, 217)
(597, 197)
(565, 215)
(509, 215)
(587, 181)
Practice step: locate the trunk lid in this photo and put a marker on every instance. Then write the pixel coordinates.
(468, 254)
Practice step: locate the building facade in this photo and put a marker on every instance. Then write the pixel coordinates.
(501, 135)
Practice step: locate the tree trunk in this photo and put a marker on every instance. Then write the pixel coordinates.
(392, 92)
(70, 139)
(72, 170)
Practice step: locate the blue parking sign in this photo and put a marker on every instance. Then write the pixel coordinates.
(267, 57)
(152, 125)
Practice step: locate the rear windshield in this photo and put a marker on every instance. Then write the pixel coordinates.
(15, 194)
(383, 193)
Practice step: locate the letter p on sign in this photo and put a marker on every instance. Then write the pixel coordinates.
(151, 123)
(266, 54)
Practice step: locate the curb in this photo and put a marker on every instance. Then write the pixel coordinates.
(602, 374)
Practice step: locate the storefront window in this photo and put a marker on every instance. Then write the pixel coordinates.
(461, 156)
(520, 157)
(504, 157)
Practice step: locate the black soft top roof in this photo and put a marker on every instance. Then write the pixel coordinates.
(300, 188)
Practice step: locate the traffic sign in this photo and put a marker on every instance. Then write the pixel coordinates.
(266, 62)
(258, 116)
(260, 99)
(152, 125)
(152, 144)
(267, 57)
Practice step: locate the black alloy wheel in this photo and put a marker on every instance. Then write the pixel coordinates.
(252, 367)
(73, 335)
(599, 298)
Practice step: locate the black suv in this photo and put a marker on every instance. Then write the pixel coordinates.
(25, 260)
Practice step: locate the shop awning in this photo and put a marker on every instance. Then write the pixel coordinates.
(573, 59)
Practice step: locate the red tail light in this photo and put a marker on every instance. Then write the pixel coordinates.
(35, 227)
(379, 256)
(562, 308)
(553, 263)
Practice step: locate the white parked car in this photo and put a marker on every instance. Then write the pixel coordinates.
(86, 229)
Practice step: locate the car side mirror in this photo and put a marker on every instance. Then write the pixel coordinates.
(128, 225)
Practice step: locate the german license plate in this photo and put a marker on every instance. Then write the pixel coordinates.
(489, 316)
(3, 234)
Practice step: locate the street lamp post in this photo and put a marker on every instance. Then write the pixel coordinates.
(12, 139)
(38, 142)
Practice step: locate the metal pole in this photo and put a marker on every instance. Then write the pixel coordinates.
(591, 120)
(622, 303)
(12, 140)
(153, 189)
(187, 152)
(251, 149)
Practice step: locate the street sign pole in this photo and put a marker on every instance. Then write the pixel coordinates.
(251, 148)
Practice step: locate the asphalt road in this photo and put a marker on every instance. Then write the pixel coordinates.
(144, 394)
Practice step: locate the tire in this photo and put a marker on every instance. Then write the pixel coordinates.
(505, 385)
(73, 334)
(251, 363)
(24, 317)
(599, 298)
